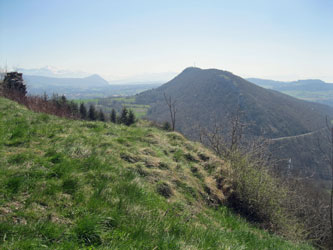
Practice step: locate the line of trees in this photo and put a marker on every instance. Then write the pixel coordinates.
(12, 86)
(126, 117)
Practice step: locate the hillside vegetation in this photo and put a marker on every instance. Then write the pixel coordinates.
(206, 95)
(209, 97)
(67, 184)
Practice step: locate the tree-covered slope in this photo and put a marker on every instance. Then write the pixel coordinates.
(204, 96)
(67, 184)
(209, 97)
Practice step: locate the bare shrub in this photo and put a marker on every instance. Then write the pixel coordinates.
(311, 206)
(261, 197)
(13, 87)
(256, 192)
(289, 205)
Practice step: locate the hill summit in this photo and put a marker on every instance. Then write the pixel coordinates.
(206, 95)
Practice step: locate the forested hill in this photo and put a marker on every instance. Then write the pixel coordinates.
(204, 98)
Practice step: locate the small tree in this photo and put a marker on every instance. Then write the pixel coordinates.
(45, 97)
(92, 113)
(13, 84)
(74, 108)
(172, 109)
(63, 100)
(113, 117)
(83, 111)
(123, 116)
(167, 126)
(55, 99)
(131, 118)
(227, 138)
(101, 116)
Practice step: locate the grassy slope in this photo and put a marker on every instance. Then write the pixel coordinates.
(68, 184)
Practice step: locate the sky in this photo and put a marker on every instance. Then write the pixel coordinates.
(279, 40)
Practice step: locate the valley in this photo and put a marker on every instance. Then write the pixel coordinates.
(309, 90)
(89, 87)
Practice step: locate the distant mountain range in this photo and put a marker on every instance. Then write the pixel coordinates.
(55, 72)
(311, 89)
(50, 71)
(93, 86)
(206, 96)
(42, 82)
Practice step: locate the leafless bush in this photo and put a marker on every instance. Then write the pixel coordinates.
(284, 204)
(311, 206)
(41, 104)
(326, 147)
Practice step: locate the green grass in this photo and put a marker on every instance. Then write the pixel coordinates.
(68, 184)
(123, 99)
(138, 109)
(92, 100)
(106, 104)
(310, 95)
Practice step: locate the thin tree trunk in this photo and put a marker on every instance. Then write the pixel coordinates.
(331, 204)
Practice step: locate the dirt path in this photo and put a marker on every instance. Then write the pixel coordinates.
(297, 136)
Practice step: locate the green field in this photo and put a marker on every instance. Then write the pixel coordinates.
(139, 110)
(79, 101)
(325, 97)
(117, 103)
(107, 104)
(124, 99)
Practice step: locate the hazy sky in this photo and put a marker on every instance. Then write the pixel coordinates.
(281, 40)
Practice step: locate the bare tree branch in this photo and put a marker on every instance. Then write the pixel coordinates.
(172, 109)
